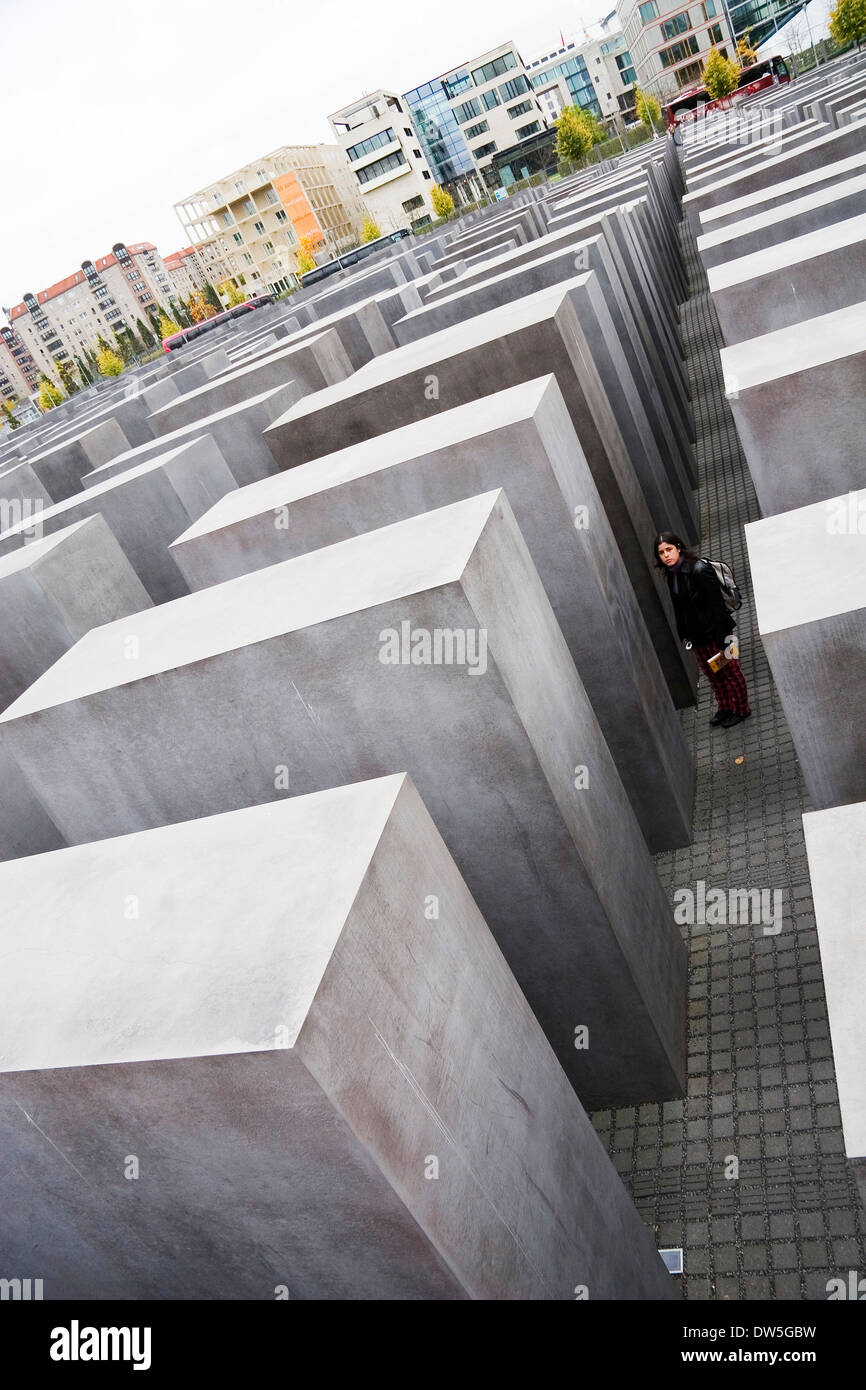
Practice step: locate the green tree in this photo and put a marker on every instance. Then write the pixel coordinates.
(848, 22)
(212, 298)
(49, 394)
(6, 407)
(102, 345)
(647, 108)
(84, 370)
(370, 230)
(745, 52)
(443, 203)
(124, 345)
(145, 335)
(68, 381)
(199, 307)
(576, 133)
(109, 363)
(167, 326)
(232, 293)
(721, 75)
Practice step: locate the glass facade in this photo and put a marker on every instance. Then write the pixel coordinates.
(577, 80)
(443, 144)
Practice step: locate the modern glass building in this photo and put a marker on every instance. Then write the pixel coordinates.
(574, 73)
(439, 134)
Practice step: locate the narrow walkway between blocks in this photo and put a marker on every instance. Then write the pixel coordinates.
(748, 1174)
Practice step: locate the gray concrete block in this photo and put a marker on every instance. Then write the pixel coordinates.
(523, 440)
(836, 847)
(812, 212)
(287, 673)
(804, 278)
(534, 336)
(797, 397)
(146, 507)
(775, 194)
(809, 582)
(53, 591)
(293, 1067)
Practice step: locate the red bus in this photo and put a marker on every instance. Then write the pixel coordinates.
(186, 335)
(694, 102)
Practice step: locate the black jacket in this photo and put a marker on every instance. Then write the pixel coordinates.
(699, 607)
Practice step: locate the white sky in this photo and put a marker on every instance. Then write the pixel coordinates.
(116, 113)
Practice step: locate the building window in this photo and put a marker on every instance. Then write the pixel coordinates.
(678, 52)
(496, 68)
(249, 206)
(425, 173)
(259, 227)
(375, 142)
(248, 260)
(473, 131)
(453, 86)
(467, 110)
(239, 185)
(716, 33)
(271, 195)
(626, 70)
(515, 88)
(227, 219)
(412, 203)
(417, 154)
(491, 99)
(280, 215)
(519, 110)
(484, 150)
(524, 130)
(678, 24)
(690, 73)
(649, 11)
(709, 9)
(397, 160)
(238, 238)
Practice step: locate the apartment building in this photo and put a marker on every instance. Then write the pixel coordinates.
(669, 44)
(386, 160)
(245, 227)
(185, 272)
(596, 74)
(113, 292)
(496, 109)
(19, 374)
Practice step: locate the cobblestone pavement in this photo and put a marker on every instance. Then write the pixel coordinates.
(761, 1077)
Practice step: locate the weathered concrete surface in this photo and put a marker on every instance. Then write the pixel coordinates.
(809, 581)
(786, 190)
(55, 590)
(146, 508)
(523, 440)
(797, 397)
(287, 674)
(293, 1068)
(517, 342)
(782, 285)
(836, 846)
(812, 212)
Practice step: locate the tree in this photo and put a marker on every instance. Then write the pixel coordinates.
(443, 203)
(307, 247)
(576, 133)
(6, 407)
(49, 394)
(145, 335)
(102, 345)
(124, 344)
(232, 293)
(848, 22)
(108, 362)
(212, 298)
(647, 109)
(745, 52)
(167, 326)
(370, 231)
(721, 75)
(200, 307)
(68, 381)
(84, 370)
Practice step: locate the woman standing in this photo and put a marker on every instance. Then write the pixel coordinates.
(703, 623)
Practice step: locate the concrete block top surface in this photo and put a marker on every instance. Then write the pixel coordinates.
(27, 556)
(810, 563)
(820, 143)
(840, 168)
(798, 348)
(833, 237)
(836, 846)
(197, 982)
(237, 372)
(376, 567)
(782, 212)
(461, 423)
(447, 342)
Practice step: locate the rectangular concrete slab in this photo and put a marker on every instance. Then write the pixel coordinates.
(795, 217)
(299, 1047)
(836, 847)
(538, 334)
(523, 440)
(809, 583)
(314, 673)
(797, 396)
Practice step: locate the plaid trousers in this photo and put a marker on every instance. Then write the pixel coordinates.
(729, 684)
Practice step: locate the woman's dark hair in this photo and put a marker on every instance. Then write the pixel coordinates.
(688, 552)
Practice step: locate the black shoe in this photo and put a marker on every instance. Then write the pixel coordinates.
(717, 717)
(729, 720)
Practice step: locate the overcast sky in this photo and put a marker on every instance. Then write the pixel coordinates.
(114, 114)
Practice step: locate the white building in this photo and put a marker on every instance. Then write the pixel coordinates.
(385, 158)
(669, 44)
(494, 104)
